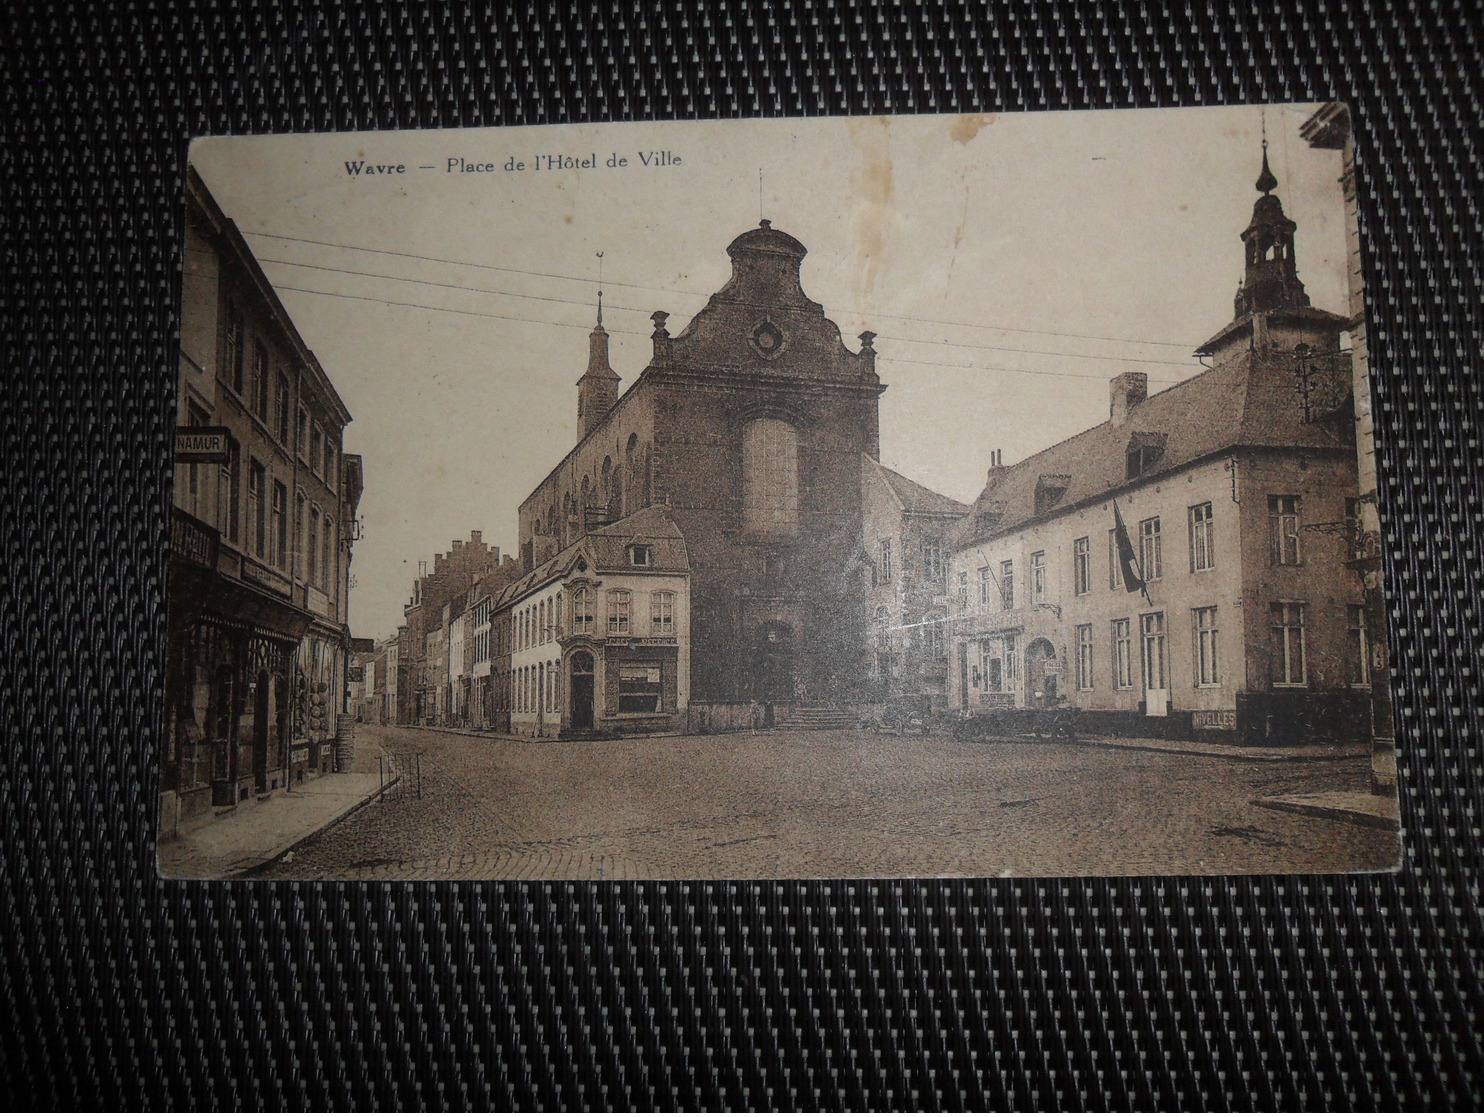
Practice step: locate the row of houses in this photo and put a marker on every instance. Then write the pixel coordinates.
(722, 545)
(263, 523)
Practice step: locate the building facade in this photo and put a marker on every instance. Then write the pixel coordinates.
(262, 528)
(600, 633)
(480, 653)
(747, 428)
(453, 574)
(1184, 567)
(458, 668)
(1330, 129)
(908, 534)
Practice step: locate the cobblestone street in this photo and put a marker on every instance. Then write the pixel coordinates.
(829, 804)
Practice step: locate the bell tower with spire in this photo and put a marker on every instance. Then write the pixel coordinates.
(1273, 312)
(597, 391)
(1270, 280)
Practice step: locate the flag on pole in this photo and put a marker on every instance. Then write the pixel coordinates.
(1128, 560)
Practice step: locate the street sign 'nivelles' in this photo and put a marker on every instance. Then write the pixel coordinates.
(202, 445)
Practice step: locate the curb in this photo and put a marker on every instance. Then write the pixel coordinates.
(1264, 757)
(1331, 813)
(276, 854)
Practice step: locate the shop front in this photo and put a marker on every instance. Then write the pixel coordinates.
(228, 683)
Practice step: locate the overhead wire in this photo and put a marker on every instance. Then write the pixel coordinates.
(702, 294)
(638, 310)
(636, 333)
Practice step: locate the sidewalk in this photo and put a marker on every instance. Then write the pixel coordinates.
(241, 840)
(1265, 754)
(1380, 812)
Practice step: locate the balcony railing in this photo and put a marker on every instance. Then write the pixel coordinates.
(193, 540)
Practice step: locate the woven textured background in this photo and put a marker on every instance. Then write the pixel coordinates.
(119, 990)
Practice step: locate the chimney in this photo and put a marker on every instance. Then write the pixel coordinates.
(996, 468)
(1125, 392)
(475, 537)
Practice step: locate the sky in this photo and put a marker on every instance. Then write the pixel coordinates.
(1010, 265)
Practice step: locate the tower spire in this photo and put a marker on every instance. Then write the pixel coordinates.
(1266, 182)
(597, 391)
(1270, 280)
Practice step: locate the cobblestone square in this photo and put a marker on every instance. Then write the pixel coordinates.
(831, 804)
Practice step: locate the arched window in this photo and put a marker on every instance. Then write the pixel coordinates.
(582, 611)
(770, 479)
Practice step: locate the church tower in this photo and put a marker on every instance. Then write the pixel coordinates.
(597, 391)
(1270, 281)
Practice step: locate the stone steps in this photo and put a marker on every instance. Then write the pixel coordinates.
(817, 717)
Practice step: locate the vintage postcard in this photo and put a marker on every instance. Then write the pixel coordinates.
(883, 497)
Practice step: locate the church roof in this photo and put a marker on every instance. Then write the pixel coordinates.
(1249, 401)
(918, 498)
(765, 238)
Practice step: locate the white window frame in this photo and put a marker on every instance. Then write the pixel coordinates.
(1202, 538)
(1284, 512)
(583, 618)
(1285, 619)
(1084, 657)
(1205, 629)
(1151, 550)
(1082, 566)
(620, 608)
(662, 612)
(1123, 654)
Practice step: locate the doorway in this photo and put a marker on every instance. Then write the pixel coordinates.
(581, 712)
(1156, 682)
(1042, 673)
(773, 662)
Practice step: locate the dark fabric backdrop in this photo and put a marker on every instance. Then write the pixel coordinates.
(119, 990)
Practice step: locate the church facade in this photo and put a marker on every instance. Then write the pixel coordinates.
(747, 428)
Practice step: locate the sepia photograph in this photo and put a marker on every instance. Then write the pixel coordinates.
(929, 496)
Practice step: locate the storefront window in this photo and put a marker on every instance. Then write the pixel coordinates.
(638, 690)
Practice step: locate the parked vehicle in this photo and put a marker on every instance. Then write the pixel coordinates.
(907, 716)
(1055, 723)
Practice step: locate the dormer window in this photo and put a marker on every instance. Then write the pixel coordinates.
(1050, 488)
(1145, 451)
(641, 554)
